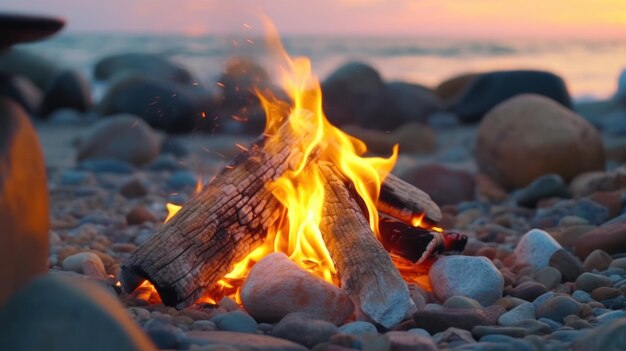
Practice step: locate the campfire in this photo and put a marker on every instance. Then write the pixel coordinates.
(307, 189)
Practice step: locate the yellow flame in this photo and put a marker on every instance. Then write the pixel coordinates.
(172, 209)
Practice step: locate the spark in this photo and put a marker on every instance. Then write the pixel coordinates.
(220, 84)
(241, 147)
(239, 118)
(250, 41)
(203, 114)
(247, 26)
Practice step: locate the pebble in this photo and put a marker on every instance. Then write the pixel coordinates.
(308, 332)
(462, 302)
(609, 336)
(590, 281)
(440, 320)
(550, 277)
(232, 341)
(474, 277)
(528, 291)
(609, 238)
(405, 341)
(133, 189)
(358, 328)
(139, 215)
(619, 263)
(569, 265)
(582, 296)
(236, 321)
(182, 179)
(604, 293)
(533, 327)
(597, 260)
(610, 316)
(87, 263)
(558, 308)
(546, 186)
(535, 248)
(482, 330)
(521, 312)
(204, 325)
(106, 166)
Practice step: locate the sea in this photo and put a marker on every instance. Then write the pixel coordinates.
(590, 67)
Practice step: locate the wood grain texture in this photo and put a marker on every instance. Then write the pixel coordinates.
(403, 201)
(366, 271)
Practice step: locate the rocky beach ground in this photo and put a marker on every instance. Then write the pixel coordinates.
(536, 183)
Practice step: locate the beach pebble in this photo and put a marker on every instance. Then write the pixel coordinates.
(452, 337)
(203, 325)
(480, 331)
(462, 302)
(122, 137)
(558, 308)
(87, 263)
(528, 291)
(521, 312)
(233, 341)
(609, 336)
(549, 277)
(590, 182)
(529, 123)
(69, 89)
(474, 277)
(546, 186)
(182, 179)
(358, 328)
(569, 265)
(292, 289)
(304, 331)
(619, 263)
(134, 188)
(106, 166)
(609, 238)
(451, 89)
(535, 248)
(237, 321)
(445, 185)
(490, 89)
(589, 281)
(407, 341)
(435, 321)
(406, 102)
(597, 260)
(604, 293)
(140, 214)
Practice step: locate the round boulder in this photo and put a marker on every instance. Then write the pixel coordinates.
(444, 185)
(152, 65)
(529, 136)
(451, 89)
(122, 137)
(68, 90)
(407, 103)
(354, 94)
(489, 89)
(25, 28)
(165, 105)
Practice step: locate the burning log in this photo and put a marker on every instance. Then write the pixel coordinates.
(367, 273)
(215, 229)
(406, 202)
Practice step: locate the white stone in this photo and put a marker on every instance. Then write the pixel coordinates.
(519, 313)
(474, 277)
(535, 248)
(87, 263)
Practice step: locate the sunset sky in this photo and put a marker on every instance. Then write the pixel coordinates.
(589, 19)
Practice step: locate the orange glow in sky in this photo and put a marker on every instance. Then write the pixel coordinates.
(588, 19)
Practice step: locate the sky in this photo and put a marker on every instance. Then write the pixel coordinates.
(584, 19)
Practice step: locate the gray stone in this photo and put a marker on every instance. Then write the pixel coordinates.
(611, 336)
(517, 314)
(358, 328)
(569, 265)
(535, 248)
(68, 315)
(308, 332)
(589, 281)
(474, 277)
(610, 316)
(406, 341)
(462, 302)
(70, 90)
(163, 334)
(582, 296)
(87, 263)
(549, 185)
(550, 277)
(598, 260)
(236, 321)
(291, 289)
(558, 308)
(480, 331)
(182, 179)
(222, 340)
(453, 337)
(140, 63)
(107, 166)
(121, 137)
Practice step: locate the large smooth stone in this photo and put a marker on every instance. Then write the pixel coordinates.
(355, 94)
(530, 135)
(241, 76)
(38, 69)
(291, 289)
(451, 89)
(610, 238)
(610, 336)
(222, 340)
(405, 103)
(523, 311)
(445, 186)
(489, 89)
(165, 105)
(68, 315)
(474, 277)
(591, 182)
(122, 137)
(558, 308)
(67, 90)
(151, 65)
(535, 248)
(25, 28)
(24, 213)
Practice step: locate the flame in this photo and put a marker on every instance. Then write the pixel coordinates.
(172, 209)
(301, 188)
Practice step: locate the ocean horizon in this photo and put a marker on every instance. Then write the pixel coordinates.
(590, 68)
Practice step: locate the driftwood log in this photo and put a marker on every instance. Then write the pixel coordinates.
(229, 218)
(366, 271)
